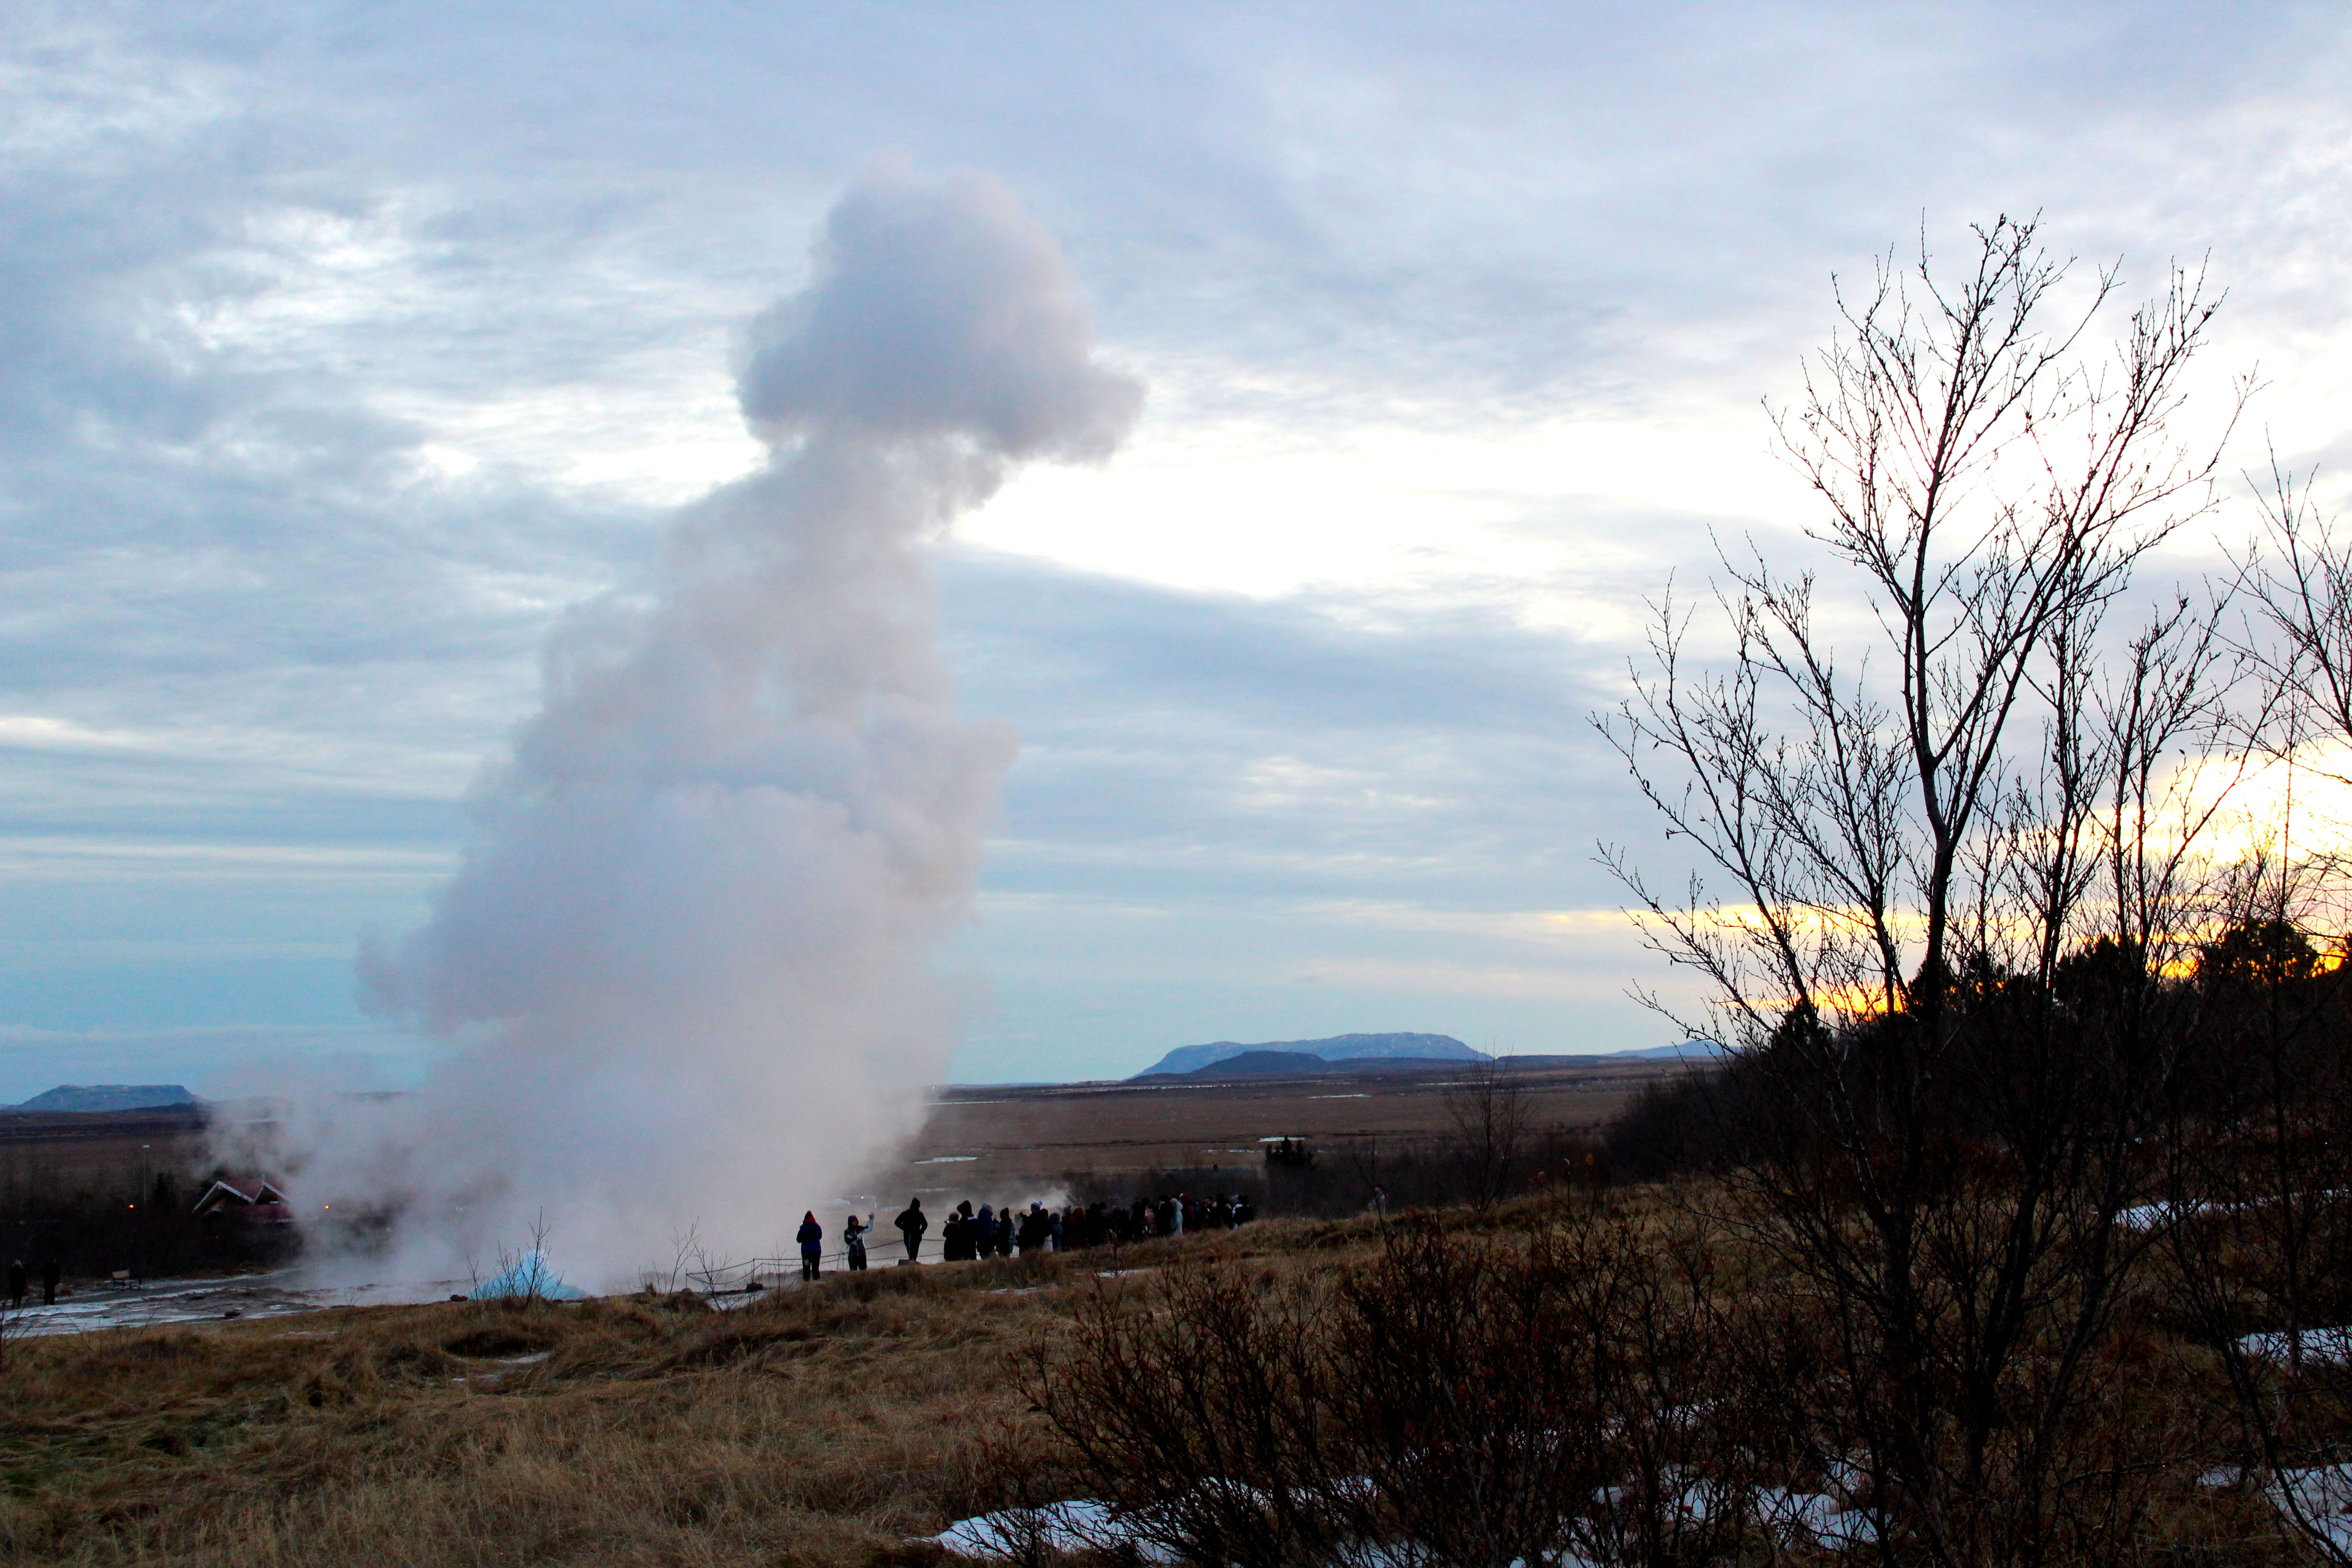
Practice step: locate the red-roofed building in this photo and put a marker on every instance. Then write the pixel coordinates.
(245, 1203)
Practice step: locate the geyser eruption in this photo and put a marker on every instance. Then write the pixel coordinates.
(683, 969)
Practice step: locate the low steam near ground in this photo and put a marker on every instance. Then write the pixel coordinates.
(685, 975)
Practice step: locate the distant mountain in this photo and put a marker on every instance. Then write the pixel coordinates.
(1337, 1048)
(109, 1097)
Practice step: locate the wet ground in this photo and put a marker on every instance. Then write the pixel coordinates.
(282, 1293)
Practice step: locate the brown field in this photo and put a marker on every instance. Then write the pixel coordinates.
(984, 1143)
(817, 1425)
(75, 1150)
(1019, 1141)
(1007, 1141)
(833, 1425)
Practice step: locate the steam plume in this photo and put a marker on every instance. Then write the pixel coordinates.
(684, 968)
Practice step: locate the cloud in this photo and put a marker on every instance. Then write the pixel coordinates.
(346, 356)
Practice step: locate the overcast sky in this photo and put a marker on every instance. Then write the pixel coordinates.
(345, 346)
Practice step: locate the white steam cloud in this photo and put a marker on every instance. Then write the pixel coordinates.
(685, 967)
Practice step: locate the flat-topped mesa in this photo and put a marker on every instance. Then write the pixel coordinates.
(108, 1097)
(1337, 1048)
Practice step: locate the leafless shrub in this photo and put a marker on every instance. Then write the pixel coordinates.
(521, 1276)
(688, 1254)
(1200, 1407)
(1566, 1390)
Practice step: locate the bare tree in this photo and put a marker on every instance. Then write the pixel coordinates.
(1991, 496)
(688, 1257)
(1490, 1114)
(1952, 852)
(2298, 577)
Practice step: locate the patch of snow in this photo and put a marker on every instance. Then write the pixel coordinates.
(2326, 1347)
(1816, 1515)
(2320, 1499)
(1081, 1524)
(1084, 1524)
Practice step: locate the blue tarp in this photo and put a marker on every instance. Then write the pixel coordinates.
(531, 1275)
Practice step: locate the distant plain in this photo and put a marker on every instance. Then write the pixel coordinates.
(996, 1143)
(1005, 1142)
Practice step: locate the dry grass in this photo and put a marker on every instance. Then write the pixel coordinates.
(820, 1425)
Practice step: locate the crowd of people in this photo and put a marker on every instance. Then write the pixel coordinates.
(969, 1234)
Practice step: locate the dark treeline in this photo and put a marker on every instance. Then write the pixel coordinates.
(1347, 1175)
(116, 1191)
(2253, 1039)
(96, 1227)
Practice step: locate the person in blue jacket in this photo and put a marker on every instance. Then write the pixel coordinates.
(812, 1240)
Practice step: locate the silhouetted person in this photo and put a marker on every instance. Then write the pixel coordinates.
(812, 1240)
(51, 1272)
(912, 1225)
(18, 1283)
(853, 1241)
